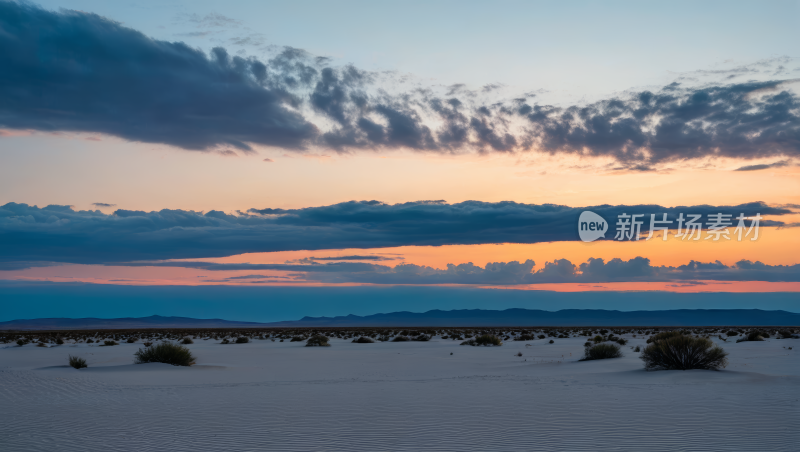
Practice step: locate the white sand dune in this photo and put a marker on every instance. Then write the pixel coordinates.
(396, 396)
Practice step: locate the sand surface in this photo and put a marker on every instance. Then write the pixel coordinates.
(396, 396)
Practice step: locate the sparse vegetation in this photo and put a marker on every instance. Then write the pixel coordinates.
(484, 340)
(754, 336)
(21, 342)
(601, 351)
(317, 340)
(363, 340)
(242, 340)
(187, 341)
(682, 352)
(109, 343)
(76, 362)
(165, 352)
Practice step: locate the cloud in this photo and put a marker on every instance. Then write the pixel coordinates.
(75, 71)
(779, 164)
(295, 101)
(269, 160)
(103, 204)
(594, 271)
(60, 234)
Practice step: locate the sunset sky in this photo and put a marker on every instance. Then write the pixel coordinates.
(295, 145)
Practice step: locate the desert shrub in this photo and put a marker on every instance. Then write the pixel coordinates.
(131, 340)
(109, 343)
(317, 340)
(601, 351)
(187, 341)
(401, 339)
(587, 344)
(76, 362)
(637, 349)
(421, 338)
(484, 340)
(621, 341)
(242, 340)
(519, 353)
(664, 335)
(679, 352)
(525, 337)
(59, 341)
(89, 341)
(20, 342)
(786, 334)
(298, 339)
(541, 336)
(147, 344)
(732, 333)
(597, 339)
(165, 352)
(363, 340)
(552, 341)
(41, 344)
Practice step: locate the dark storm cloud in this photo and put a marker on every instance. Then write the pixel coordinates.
(76, 71)
(61, 234)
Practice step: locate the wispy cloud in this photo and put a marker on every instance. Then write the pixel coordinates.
(594, 271)
(779, 164)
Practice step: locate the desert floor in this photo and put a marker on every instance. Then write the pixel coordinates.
(396, 396)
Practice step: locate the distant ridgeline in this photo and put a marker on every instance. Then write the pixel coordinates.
(438, 318)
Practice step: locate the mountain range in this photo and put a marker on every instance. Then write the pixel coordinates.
(439, 318)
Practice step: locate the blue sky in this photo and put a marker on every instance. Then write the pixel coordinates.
(577, 50)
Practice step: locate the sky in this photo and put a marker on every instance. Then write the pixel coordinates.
(451, 145)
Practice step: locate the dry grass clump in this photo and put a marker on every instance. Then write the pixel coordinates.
(484, 340)
(187, 341)
(754, 336)
(76, 362)
(363, 340)
(681, 352)
(165, 352)
(601, 351)
(317, 340)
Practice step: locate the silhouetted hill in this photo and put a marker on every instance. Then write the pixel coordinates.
(464, 317)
